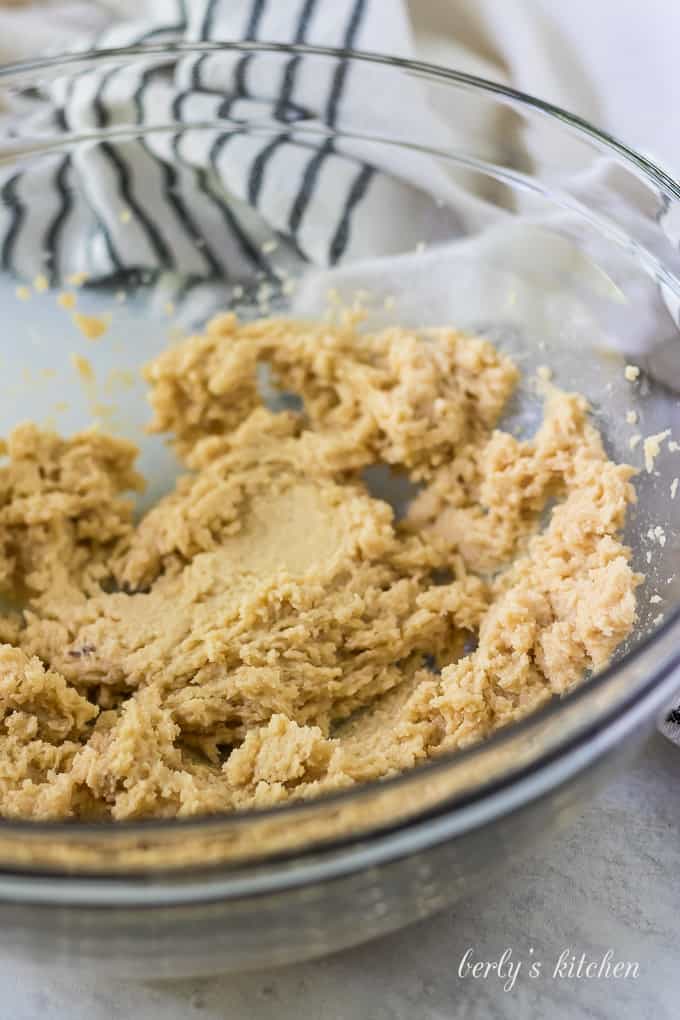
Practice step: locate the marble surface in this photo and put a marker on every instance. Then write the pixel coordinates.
(612, 882)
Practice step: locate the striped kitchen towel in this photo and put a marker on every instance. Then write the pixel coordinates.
(277, 164)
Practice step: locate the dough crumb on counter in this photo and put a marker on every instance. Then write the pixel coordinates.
(652, 448)
(77, 279)
(66, 299)
(83, 367)
(91, 326)
(271, 629)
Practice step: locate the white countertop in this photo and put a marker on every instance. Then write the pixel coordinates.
(611, 882)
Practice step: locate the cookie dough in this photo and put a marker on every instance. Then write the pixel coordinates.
(269, 630)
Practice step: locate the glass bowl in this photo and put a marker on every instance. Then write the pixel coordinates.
(491, 211)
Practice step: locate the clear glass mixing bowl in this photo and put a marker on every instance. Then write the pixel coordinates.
(499, 214)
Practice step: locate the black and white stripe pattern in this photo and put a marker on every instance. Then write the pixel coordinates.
(211, 200)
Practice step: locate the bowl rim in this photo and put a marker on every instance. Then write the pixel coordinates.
(649, 171)
(649, 168)
(218, 885)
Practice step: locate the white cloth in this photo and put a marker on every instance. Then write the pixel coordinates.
(614, 64)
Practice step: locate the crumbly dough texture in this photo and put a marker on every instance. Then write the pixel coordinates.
(268, 631)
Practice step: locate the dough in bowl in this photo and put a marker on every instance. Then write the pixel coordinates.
(269, 630)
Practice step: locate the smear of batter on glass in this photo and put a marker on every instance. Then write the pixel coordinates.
(269, 630)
